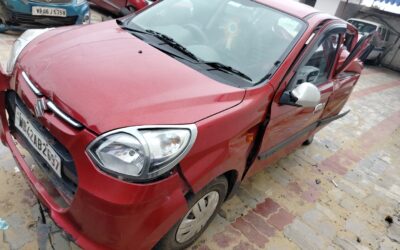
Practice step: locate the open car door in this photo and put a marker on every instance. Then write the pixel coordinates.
(347, 73)
(357, 51)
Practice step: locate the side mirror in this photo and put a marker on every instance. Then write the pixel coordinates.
(305, 95)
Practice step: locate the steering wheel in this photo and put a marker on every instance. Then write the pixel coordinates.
(197, 31)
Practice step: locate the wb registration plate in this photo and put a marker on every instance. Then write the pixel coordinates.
(37, 141)
(45, 11)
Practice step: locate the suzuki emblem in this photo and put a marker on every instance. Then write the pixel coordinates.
(40, 107)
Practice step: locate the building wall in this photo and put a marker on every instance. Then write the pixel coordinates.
(328, 6)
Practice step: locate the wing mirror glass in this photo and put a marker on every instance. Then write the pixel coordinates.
(304, 95)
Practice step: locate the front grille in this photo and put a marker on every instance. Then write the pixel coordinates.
(45, 21)
(51, 1)
(68, 184)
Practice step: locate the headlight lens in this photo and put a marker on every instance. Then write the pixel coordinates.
(142, 153)
(79, 2)
(20, 44)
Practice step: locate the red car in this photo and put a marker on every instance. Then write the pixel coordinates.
(142, 127)
(121, 7)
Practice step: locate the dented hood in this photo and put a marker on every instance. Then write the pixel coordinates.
(106, 78)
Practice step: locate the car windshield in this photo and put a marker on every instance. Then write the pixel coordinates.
(244, 35)
(363, 27)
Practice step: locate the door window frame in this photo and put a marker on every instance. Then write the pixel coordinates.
(339, 28)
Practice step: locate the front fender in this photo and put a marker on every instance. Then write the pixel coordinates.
(224, 140)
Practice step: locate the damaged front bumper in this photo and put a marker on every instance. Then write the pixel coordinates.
(104, 212)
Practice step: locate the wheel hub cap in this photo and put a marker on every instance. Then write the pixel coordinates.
(197, 217)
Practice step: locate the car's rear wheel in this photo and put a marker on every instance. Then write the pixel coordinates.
(202, 209)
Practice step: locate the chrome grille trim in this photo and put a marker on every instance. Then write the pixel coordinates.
(62, 115)
(51, 105)
(31, 85)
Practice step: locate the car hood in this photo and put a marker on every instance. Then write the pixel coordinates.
(106, 78)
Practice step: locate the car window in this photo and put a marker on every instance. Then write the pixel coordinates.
(383, 33)
(245, 35)
(387, 35)
(317, 65)
(363, 27)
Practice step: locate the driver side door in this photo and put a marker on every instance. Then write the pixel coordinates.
(291, 125)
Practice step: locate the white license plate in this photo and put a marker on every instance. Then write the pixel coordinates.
(45, 11)
(37, 141)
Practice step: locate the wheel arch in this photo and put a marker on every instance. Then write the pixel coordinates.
(233, 183)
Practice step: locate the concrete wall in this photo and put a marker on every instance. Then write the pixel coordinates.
(348, 10)
(328, 6)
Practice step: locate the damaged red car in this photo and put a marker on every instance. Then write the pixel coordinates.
(140, 128)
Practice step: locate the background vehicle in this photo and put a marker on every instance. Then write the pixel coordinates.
(380, 42)
(121, 7)
(21, 15)
(198, 96)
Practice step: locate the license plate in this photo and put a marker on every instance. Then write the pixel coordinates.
(45, 11)
(37, 141)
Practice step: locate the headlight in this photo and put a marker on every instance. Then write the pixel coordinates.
(79, 2)
(20, 44)
(142, 153)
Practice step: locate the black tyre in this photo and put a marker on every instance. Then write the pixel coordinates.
(203, 208)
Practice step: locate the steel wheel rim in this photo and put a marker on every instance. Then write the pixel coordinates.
(197, 217)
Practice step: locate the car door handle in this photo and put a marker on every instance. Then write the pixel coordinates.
(319, 107)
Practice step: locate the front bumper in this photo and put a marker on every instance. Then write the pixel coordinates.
(105, 213)
(18, 15)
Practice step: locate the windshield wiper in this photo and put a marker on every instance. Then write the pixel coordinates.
(227, 69)
(164, 38)
(174, 44)
(125, 27)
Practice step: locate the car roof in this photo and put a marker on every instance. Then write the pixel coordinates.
(291, 7)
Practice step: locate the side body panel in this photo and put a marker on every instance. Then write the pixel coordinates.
(225, 140)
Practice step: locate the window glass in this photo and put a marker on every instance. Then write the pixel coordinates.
(316, 67)
(383, 33)
(363, 27)
(245, 35)
(387, 35)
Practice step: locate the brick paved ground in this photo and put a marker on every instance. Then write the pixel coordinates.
(341, 192)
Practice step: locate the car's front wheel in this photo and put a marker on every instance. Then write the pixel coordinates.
(203, 208)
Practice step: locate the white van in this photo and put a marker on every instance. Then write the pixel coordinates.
(366, 27)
